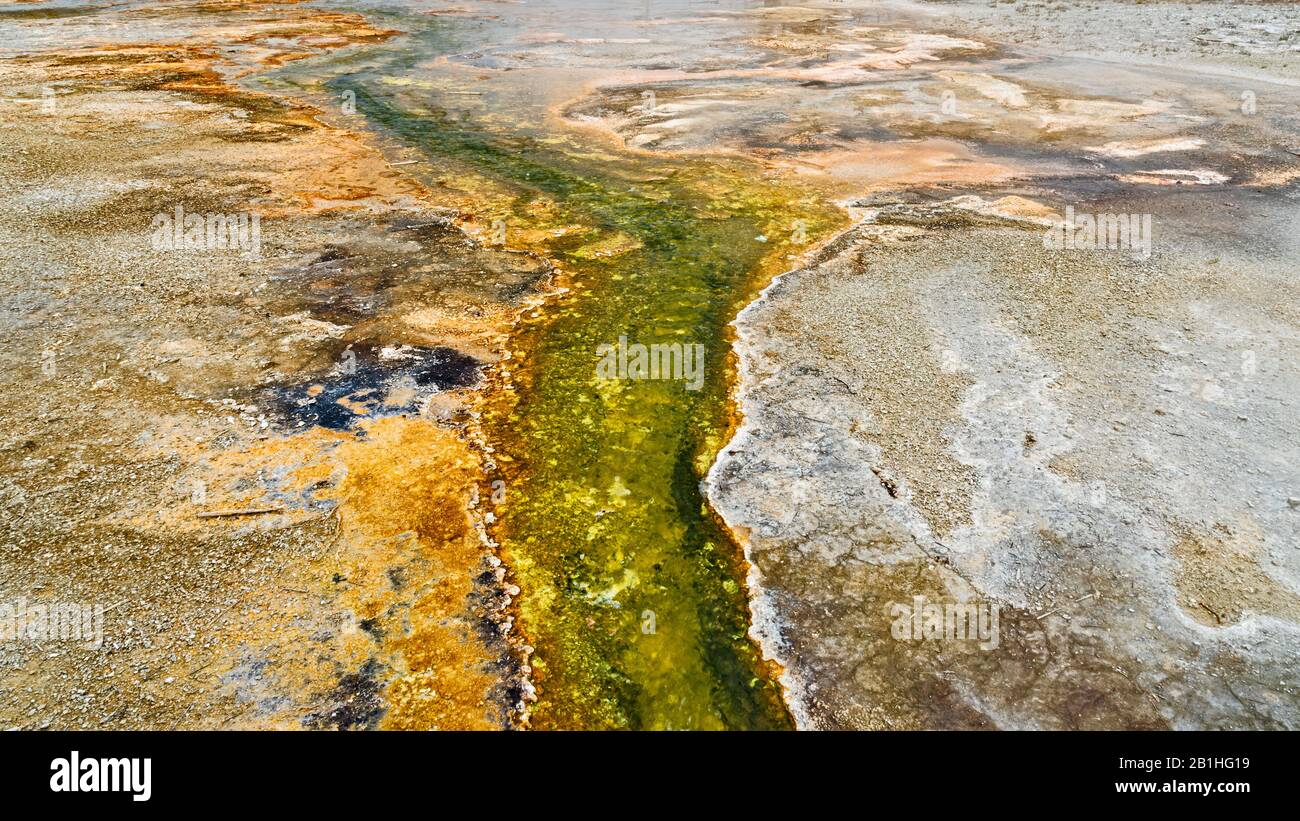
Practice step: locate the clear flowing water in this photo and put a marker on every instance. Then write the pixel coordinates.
(631, 592)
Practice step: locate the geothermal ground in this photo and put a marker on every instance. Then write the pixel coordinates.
(996, 315)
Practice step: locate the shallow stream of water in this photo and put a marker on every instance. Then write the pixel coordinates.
(631, 592)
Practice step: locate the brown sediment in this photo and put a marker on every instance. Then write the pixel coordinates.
(398, 577)
(364, 595)
(1220, 579)
(403, 504)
